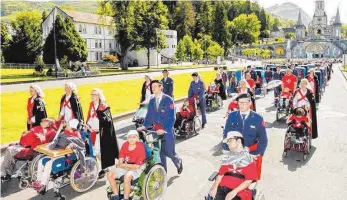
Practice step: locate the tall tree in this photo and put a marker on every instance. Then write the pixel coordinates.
(189, 46)
(204, 18)
(245, 28)
(152, 17)
(26, 43)
(180, 53)
(5, 37)
(184, 19)
(263, 20)
(214, 50)
(197, 51)
(171, 5)
(220, 32)
(44, 15)
(69, 43)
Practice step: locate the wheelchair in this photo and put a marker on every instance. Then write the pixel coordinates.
(213, 102)
(152, 183)
(66, 169)
(192, 125)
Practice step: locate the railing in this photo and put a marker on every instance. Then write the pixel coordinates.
(23, 66)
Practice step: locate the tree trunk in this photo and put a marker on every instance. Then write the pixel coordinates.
(123, 65)
(148, 55)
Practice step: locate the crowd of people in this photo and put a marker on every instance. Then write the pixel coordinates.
(244, 134)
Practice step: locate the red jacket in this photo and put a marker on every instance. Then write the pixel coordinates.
(185, 113)
(35, 136)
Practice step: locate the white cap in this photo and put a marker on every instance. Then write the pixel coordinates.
(74, 123)
(133, 132)
(232, 134)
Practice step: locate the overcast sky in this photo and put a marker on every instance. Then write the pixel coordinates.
(309, 5)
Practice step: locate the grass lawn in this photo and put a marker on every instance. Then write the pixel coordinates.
(15, 75)
(122, 96)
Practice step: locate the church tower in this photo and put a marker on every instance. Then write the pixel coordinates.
(320, 19)
(300, 28)
(337, 25)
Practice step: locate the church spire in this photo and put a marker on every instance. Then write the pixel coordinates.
(299, 23)
(337, 18)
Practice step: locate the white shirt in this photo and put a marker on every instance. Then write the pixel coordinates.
(158, 100)
(297, 103)
(93, 122)
(66, 111)
(245, 113)
(244, 91)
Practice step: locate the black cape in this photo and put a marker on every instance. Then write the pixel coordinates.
(75, 106)
(222, 93)
(108, 139)
(311, 99)
(317, 93)
(143, 91)
(39, 112)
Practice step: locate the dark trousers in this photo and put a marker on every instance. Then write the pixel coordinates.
(222, 193)
(168, 150)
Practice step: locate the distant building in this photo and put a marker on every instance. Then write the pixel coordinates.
(277, 32)
(98, 32)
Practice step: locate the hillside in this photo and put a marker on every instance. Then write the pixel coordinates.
(289, 11)
(10, 7)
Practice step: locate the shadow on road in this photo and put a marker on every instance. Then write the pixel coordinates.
(281, 124)
(294, 160)
(171, 180)
(69, 192)
(9, 187)
(217, 149)
(271, 108)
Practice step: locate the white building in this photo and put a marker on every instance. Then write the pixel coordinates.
(97, 31)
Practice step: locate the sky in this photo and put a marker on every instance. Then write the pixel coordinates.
(309, 5)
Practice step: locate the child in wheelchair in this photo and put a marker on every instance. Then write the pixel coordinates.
(285, 99)
(70, 138)
(298, 123)
(131, 164)
(27, 143)
(186, 112)
(237, 172)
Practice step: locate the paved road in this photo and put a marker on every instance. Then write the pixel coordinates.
(322, 176)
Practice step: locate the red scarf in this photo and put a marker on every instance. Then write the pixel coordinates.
(312, 80)
(92, 108)
(30, 108)
(72, 133)
(66, 104)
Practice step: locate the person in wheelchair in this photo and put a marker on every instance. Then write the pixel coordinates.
(27, 143)
(70, 138)
(286, 97)
(237, 172)
(298, 122)
(131, 164)
(185, 113)
(212, 89)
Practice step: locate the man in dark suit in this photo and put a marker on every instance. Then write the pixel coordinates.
(167, 83)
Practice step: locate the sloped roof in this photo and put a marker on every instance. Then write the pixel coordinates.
(88, 17)
(299, 23)
(337, 18)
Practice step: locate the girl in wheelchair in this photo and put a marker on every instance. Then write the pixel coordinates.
(185, 113)
(69, 139)
(298, 122)
(237, 172)
(131, 164)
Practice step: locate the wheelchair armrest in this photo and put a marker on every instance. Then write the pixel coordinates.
(253, 185)
(213, 176)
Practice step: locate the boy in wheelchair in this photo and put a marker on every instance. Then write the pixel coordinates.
(27, 143)
(131, 164)
(285, 98)
(186, 113)
(237, 172)
(70, 138)
(298, 123)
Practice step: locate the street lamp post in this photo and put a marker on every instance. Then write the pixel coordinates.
(55, 48)
(156, 32)
(205, 51)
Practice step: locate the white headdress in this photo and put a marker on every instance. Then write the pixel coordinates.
(150, 78)
(101, 95)
(72, 86)
(244, 80)
(38, 90)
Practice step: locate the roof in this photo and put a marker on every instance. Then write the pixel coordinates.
(337, 18)
(287, 30)
(299, 23)
(88, 17)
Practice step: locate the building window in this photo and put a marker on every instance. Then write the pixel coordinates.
(100, 45)
(110, 45)
(80, 28)
(96, 44)
(96, 30)
(99, 30)
(96, 56)
(84, 29)
(100, 55)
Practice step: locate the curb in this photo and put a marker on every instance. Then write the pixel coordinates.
(67, 78)
(343, 72)
(116, 118)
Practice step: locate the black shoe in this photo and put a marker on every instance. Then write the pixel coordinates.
(7, 177)
(203, 126)
(180, 169)
(101, 174)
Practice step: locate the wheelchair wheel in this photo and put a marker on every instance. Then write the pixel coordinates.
(197, 125)
(83, 181)
(34, 165)
(155, 183)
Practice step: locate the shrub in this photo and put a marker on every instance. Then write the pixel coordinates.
(50, 72)
(110, 58)
(39, 73)
(225, 67)
(215, 68)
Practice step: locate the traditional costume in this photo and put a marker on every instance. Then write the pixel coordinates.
(314, 83)
(36, 108)
(222, 93)
(70, 107)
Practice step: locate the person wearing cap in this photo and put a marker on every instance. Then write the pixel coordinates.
(289, 81)
(237, 171)
(197, 90)
(251, 125)
(314, 83)
(36, 107)
(161, 116)
(167, 83)
(70, 138)
(146, 90)
(70, 107)
(37, 135)
(131, 164)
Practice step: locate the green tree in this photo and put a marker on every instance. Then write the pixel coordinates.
(180, 53)
(197, 51)
(152, 19)
(171, 5)
(214, 50)
(263, 20)
(205, 41)
(184, 19)
(276, 24)
(245, 28)
(204, 18)
(220, 31)
(69, 43)
(26, 43)
(5, 37)
(189, 46)
(290, 35)
(44, 15)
